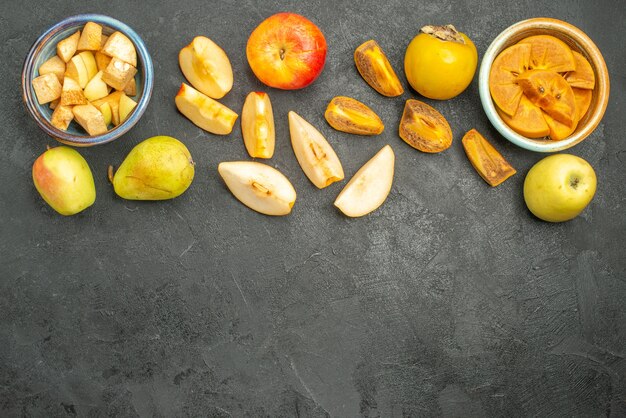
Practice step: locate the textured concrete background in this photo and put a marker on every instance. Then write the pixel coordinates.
(450, 300)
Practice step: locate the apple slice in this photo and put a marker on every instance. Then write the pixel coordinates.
(91, 37)
(257, 125)
(54, 65)
(314, 154)
(96, 88)
(119, 46)
(113, 100)
(260, 187)
(205, 112)
(126, 106)
(77, 70)
(369, 187)
(207, 67)
(105, 109)
(67, 47)
(90, 63)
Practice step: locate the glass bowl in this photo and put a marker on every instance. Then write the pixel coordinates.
(45, 48)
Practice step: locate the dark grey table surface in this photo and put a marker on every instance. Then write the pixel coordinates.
(452, 299)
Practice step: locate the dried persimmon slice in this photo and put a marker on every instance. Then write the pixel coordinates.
(583, 77)
(551, 93)
(527, 121)
(549, 53)
(507, 66)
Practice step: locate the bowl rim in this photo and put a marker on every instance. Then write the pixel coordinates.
(28, 72)
(602, 83)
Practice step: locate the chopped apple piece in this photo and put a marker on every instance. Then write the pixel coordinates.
(126, 106)
(130, 88)
(257, 125)
(90, 63)
(207, 67)
(260, 187)
(91, 37)
(315, 155)
(67, 47)
(102, 60)
(54, 65)
(72, 94)
(55, 103)
(90, 119)
(113, 100)
(369, 187)
(118, 73)
(205, 112)
(77, 71)
(61, 117)
(47, 88)
(105, 109)
(119, 46)
(96, 88)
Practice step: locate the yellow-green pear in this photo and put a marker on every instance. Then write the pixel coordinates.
(158, 168)
(64, 180)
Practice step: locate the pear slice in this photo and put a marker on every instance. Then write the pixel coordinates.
(67, 47)
(119, 46)
(90, 118)
(91, 38)
(90, 63)
(258, 186)
(205, 112)
(54, 65)
(207, 67)
(77, 70)
(105, 109)
(369, 187)
(102, 60)
(47, 88)
(314, 154)
(257, 125)
(96, 88)
(127, 105)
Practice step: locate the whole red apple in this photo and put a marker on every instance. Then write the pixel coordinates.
(286, 51)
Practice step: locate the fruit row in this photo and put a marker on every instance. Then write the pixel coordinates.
(288, 51)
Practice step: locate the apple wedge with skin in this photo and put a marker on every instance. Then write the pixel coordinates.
(207, 67)
(369, 187)
(257, 125)
(314, 154)
(205, 112)
(258, 186)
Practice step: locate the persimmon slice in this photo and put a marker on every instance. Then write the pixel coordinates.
(424, 128)
(559, 130)
(583, 77)
(583, 100)
(487, 161)
(551, 93)
(527, 121)
(507, 66)
(549, 53)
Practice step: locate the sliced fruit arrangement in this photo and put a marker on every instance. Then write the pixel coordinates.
(485, 159)
(207, 67)
(257, 125)
(541, 87)
(314, 154)
(258, 186)
(424, 128)
(349, 115)
(368, 189)
(374, 67)
(88, 65)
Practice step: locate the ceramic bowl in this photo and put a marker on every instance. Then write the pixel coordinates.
(45, 47)
(577, 40)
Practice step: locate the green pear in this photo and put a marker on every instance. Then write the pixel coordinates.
(64, 180)
(158, 168)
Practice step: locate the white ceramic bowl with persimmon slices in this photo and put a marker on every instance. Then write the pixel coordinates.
(544, 84)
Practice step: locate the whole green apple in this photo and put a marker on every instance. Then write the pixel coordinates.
(559, 187)
(64, 180)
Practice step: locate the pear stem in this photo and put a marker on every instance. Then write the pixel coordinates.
(110, 174)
